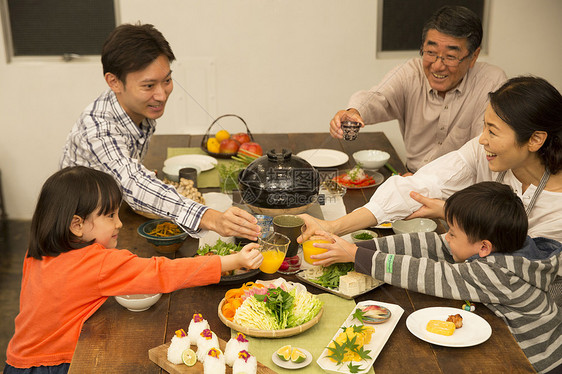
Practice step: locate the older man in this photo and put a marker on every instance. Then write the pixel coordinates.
(438, 99)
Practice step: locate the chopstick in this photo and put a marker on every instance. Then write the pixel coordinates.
(392, 170)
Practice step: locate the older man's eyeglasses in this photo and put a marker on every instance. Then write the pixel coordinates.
(431, 56)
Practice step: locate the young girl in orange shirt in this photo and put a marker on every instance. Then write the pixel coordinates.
(71, 268)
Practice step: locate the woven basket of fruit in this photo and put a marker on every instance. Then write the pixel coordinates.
(222, 144)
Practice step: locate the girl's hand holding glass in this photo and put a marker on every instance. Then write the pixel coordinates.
(249, 257)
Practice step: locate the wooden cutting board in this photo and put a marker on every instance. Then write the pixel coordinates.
(159, 355)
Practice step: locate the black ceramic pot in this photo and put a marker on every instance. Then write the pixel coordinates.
(279, 183)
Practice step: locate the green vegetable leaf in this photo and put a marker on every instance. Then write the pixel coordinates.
(363, 353)
(353, 368)
(330, 277)
(359, 314)
(219, 248)
(337, 352)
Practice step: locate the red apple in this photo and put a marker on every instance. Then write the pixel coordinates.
(250, 149)
(242, 137)
(229, 146)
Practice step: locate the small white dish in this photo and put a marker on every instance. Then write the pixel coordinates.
(413, 225)
(371, 158)
(365, 232)
(474, 330)
(324, 158)
(138, 303)
(384, 225)
(202, 161)
(290, 364)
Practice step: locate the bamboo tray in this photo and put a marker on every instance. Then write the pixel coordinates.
(269, 333)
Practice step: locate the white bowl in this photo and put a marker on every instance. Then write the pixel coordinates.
(413, 225)
(138, 303)
(371, 158)
(355, 240)
(172, 172)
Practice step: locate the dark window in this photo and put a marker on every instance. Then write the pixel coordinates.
(403, 20)
(58, 27)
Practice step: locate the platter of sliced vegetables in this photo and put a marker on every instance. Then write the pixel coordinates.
(270, 309)
(339, 279)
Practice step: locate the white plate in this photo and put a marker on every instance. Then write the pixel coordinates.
(380, 337)
(384, 225)
(203, 162)
(474, 330)
(324, 158)
(290, 364)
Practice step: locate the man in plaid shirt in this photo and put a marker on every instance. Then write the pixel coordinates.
(113, 133)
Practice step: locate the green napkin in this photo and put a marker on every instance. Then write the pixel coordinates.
(314, 340)
(209, 178)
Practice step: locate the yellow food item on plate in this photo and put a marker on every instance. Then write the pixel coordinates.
(362, 335)
(441, 327)
(284, 353)
(298, 356)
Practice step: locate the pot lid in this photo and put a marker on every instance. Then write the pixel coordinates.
(279, 180)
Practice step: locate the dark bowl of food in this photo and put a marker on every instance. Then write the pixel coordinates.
(164, 234)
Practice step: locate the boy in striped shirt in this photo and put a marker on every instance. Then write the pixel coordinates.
(486, 256)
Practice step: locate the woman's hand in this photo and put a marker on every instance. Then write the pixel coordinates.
(311, 225)
(344, 115)
(432, 208)
(338, 250)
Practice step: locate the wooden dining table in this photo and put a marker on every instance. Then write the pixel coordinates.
(115, 340)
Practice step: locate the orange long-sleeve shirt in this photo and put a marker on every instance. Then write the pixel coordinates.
(59, 293)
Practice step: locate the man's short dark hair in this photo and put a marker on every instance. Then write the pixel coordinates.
(489, 211)
(130, 48)
(456, 21)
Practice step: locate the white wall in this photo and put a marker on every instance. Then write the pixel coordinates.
(283, 65)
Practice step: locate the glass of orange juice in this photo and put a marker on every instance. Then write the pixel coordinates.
(308, 248)
(273, 248)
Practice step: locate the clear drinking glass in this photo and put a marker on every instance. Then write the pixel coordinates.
(273, 248)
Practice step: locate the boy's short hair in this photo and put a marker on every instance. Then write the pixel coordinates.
(489, 211)
(130, 48)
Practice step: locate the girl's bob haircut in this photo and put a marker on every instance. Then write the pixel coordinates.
(75, 190)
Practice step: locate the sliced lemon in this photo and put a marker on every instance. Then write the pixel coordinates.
(298, 356)
(189, 357)
(284, 353)
(222, 135)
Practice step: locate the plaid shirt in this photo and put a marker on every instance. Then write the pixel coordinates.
(105, 138)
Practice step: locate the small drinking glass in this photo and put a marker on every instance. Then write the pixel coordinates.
(308, 248)
(350, 129)
(265, 223)
(273, 248)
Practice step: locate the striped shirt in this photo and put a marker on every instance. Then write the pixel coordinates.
(106, 138)
(513, 286)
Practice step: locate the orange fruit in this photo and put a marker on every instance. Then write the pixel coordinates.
(213, 145)
(222, 135)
